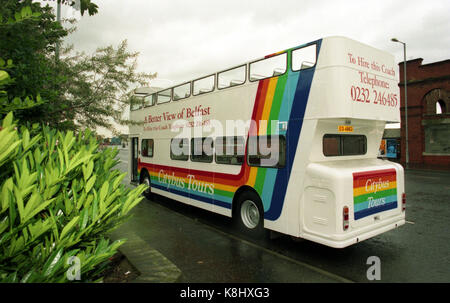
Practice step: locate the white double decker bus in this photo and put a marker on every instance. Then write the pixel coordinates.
(287, 142)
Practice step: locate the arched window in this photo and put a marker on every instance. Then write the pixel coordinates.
(436, 101)
(440, 107)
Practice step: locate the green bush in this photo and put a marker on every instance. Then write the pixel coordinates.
(59, 195)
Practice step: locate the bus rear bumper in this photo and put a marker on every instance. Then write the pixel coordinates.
(352, 237)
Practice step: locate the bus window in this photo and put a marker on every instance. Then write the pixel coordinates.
(164, 96)
(304, 57)
(270, 67)
(344, 145)
(232, 77)
(147, 147)
(181, 91)
(230, 150)
(136, 102)
(150, 100)
(204, 85)
(202, 150)
(179, 149)
(267, 151)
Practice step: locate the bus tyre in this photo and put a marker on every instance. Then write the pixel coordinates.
(145, 179)
(250, 214)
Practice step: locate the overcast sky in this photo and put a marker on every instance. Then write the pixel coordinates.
(182, 40)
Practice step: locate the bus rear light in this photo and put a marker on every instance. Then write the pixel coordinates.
(345, 218)
(404, 202)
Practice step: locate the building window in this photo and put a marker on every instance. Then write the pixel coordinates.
(202, 150)
(267, 151)
(230, 150)
(436, 101)
(179, 149)
(344, 145)
(440, 107)
(147, 148)
(436, 138)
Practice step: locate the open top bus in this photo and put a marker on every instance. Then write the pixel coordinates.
(288, 142)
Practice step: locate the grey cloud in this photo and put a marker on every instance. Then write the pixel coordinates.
(182, 40)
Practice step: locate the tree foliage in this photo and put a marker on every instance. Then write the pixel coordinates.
(16, 102)
(96, 87)
(74, 92)
(28, 34)
(59, 195)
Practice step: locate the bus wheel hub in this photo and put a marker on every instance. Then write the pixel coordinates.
(250, 214)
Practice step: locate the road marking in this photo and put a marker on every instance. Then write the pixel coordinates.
(409, 222)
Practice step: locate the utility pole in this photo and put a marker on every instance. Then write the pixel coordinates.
(406, 99)
(58, 19)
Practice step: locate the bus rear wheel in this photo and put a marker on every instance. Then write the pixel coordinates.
(250, 215)
(145, 179)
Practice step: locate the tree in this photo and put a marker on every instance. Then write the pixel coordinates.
(96, 87)
(78, 90)
(15, 103)
(28, 35)
(58, 193)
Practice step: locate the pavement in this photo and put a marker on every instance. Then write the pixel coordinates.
(172, 242)
(153, 267)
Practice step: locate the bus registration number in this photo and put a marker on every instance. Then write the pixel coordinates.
(345, 128)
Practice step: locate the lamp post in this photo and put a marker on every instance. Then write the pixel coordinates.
(58, 19)
(75, 4)
(406, 98)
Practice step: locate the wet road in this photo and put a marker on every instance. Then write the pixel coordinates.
(207, 248)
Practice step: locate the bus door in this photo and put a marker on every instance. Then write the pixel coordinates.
(134, 159)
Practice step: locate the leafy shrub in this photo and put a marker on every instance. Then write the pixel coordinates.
(16, 103)
(59, 195)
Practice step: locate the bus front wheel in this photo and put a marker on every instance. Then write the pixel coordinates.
(249, 214)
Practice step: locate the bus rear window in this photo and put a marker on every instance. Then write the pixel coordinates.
(344, 145)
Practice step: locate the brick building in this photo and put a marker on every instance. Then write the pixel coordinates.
(428, 89)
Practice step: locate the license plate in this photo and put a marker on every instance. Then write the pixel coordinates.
(345, 128)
